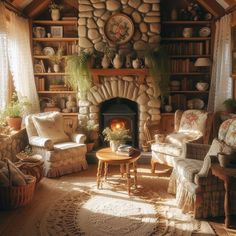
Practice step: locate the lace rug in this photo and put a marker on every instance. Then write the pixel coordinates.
(84, 210)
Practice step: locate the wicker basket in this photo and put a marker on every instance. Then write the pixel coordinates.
(12, 197)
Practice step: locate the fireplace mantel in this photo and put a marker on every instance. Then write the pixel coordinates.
(141, 73)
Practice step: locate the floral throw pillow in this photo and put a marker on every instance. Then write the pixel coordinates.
(193, 121)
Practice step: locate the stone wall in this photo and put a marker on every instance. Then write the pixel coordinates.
(145, 14)
(13, 144)
(123, 87)
(93, 15)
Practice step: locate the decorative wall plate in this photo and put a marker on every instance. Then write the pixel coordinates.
(119, 28)
(48, 51)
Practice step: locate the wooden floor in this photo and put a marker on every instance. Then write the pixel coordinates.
(13, 217)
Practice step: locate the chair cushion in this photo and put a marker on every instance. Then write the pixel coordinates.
(187, 168)
(193, 121)
(230, 137)
(179, 138)
(167, 148)
(223, 130)
(67, 145)
(51, 128)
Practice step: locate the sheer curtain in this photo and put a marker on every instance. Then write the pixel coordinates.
(20, 59)
(3, 59)
(221, 82)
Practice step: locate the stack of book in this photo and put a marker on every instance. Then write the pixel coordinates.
(126, 150)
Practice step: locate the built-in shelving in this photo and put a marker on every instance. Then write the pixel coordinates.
(56, 22)
(55, 39)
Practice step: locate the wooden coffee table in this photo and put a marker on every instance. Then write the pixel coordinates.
(107, 157)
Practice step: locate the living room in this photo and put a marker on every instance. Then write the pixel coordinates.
(117, 117)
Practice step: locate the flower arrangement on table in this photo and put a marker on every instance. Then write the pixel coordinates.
(115, 136)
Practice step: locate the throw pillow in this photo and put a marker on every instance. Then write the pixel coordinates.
(51, 128)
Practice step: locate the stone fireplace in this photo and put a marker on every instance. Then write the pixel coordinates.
(130, 85)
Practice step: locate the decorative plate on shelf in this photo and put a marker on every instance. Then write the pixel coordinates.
(195, 103)
(205, 32)
(119, 28)
(48, 51)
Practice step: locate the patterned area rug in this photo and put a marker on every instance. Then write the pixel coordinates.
(84, 210)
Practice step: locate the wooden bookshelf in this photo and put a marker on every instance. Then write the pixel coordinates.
(55, 39)
(56, 22)
(183, 53)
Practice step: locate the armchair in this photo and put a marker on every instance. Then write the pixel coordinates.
(196, 188)
(191, 126)
(62, 154)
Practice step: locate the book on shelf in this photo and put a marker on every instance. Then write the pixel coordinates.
(40, 83)
(69, 18)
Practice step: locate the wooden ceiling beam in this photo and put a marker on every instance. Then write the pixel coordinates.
(213, 7)
(72, 3)
(36, 7)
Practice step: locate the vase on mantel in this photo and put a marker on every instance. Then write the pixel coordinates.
(55, 14)
(105, 62)
(117, 61)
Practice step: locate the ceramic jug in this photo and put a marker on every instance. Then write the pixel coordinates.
(39, 32)
(136, 63)
(117, 62)
(105, 62)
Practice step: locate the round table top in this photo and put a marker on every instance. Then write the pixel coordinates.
(105, 154)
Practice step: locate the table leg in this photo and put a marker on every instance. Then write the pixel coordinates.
(135, 174)
(128, 178)
(105, 170)
(226, 205)
(99, 173)
(122, 171)
(153, 166)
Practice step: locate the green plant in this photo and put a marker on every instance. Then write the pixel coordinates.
(16, 107)
(159, 69)
(57, 57)
(91, 131)
(77, 67)
(54, 5)
(230, 105)
(116, 134)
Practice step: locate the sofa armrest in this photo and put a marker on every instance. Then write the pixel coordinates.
(202, 176)
(78, 138)
(41, 142)
(196, 151)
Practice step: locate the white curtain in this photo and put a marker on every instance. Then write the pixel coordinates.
(221, 81)
(3, 59)
(20, 60)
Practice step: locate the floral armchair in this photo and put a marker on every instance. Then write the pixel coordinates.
(196, 189)
(191, 126)
(62, 153)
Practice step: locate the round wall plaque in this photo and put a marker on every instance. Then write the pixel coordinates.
(119, 28)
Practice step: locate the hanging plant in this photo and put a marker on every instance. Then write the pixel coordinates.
(79, 76)
(159, 69)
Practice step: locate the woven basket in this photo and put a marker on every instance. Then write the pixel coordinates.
(12, 197)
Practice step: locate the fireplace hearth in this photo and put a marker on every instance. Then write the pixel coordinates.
(120, 113)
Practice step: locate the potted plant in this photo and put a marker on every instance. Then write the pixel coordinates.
(115, 136)
(15, 110)
(230, 105)
(78, 70)
(158, 63)
(91, 132)
(56, 59)
(55, 8)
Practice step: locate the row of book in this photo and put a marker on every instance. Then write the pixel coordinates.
(188, 48)
(182, 65)
(40, 83)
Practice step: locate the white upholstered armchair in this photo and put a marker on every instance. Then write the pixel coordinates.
(62, 153)
(191, 126)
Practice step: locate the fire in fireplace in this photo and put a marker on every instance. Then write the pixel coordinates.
(120, 113)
